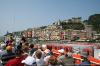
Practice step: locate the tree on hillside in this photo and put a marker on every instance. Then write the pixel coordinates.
(95, 21)
(85, 22)
(72, 25)
(43, 27)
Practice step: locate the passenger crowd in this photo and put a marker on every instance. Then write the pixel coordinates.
(26, 54)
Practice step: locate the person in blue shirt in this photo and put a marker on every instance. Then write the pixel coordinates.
(85, 61)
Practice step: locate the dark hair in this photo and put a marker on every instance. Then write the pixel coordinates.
(31, 45)
(38, 54)
(26, 44)
(19, 47)
(25, 47)
(23, 39)
(18, 52)
(66, 55)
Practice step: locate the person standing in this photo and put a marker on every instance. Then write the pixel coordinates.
(16, 61)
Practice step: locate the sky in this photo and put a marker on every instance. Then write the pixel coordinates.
(17, 15)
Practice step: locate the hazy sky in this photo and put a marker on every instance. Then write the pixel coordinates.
(18, 15)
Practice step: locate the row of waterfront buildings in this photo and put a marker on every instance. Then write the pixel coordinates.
(55, 32)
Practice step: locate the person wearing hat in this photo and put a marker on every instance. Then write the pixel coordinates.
(8, 55)
(61, 57)
(85, 61)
